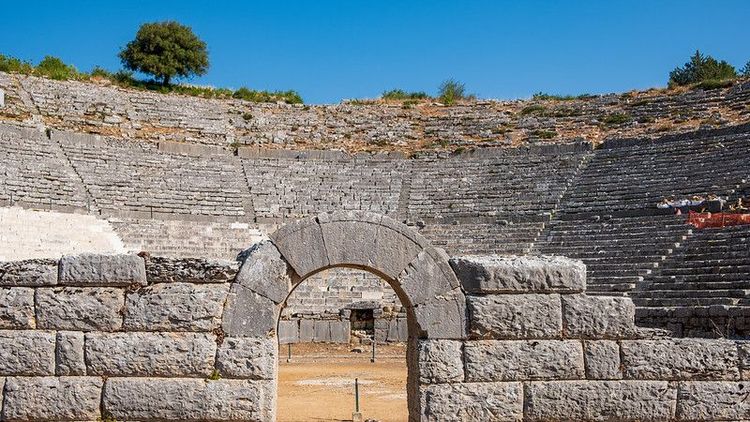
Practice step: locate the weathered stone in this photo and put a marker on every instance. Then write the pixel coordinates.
(176, 307)
(340, 331)
(79, 308)
(713, 401)
(52, 399)
(496, 401)
(247, 357)
(602, 360)
(743, 350)
(440, 361)
(2, 388)
(265, 272)
(306, 330)
(17, 308)
(502, 274)
(189, 270)
(598, 317)
(301, 244)
(515, 316)
(427, 276)
(189, 399)
(680, 359)
(322, 331)
(248, 314)
(443, 316)
(288, 331)
(30, 272)
(600, 401)
(102, 270)
(29, 353)
(518, 360)
(69, 353)
(150, 354)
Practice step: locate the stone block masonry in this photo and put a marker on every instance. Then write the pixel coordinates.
(126, 337)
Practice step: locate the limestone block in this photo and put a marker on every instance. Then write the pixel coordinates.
(176, 307)
(52, 399)
(150, 354)
(288, 331)
(184, 399)
(17, 308)
(443, 316)
(598, 317)
(713, 401)
(427, 276)
(247, 357)
(102, 270)
(515, 316)
(600, 401)
(29, 352)
(743, 349)
(519, 360)
(322, 331)
(495, 401)
(602, 360)
(248, 314)
(2, 388)
(306, 330)
(680, 359)
(265, 272)
(189, 270)
(301, 244)
(69, 353)
(30, 272)
(340, 331)
(440, 361)
(79, 308)
(503, 274)
(397, 330)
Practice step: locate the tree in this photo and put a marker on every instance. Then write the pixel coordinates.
(746, 69)
(701, 68)
(451, 91)
(166, 50)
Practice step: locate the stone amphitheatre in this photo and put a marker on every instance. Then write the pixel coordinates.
(534, 255)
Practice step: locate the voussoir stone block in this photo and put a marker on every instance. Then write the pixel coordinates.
(79, 308)
(427, 276)
(17, 308)
(521, 360)
(521, 316)
(602, 360)
(301, 244)
(598, 317)
(185, 399)
(247, 357)
(443, 316)
(248, 314)
(440, 361)
(265, 272)
(150, 354)
(176, 307)
(680, 359)
(27, 352)
(69, 354)
(30, 272)
(494, 401)
(507, 274)
(102, 270)
(713, 401)
(52, 399)
(600, 401)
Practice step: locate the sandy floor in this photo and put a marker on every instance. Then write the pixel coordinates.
(318, 385)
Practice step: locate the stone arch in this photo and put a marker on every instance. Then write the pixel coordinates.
(419, 273)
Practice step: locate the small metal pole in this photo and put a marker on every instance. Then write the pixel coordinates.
(288, 352)
(372, 359)
(356, 395)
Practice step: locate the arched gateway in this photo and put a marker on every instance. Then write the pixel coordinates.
(420, 275)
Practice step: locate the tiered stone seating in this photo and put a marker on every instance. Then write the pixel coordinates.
(36, 174)
(484, 238)
(134, 177)
(617, 252)
(704, 287)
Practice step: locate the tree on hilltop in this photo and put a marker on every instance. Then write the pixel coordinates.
(166, 50)
(746, 69)
(701, 68)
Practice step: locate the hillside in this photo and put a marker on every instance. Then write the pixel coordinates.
(99, 107)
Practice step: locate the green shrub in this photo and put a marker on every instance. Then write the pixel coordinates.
(289, 97)
(746, 69)
(101, 72)
(12, 64)
(54, 68)
(701, 68)
(400, 94)
(533, 109)
(616, 119)
(714, 84)
(544, 134)
(451, 91)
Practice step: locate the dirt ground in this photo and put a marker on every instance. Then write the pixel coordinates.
(318, 384)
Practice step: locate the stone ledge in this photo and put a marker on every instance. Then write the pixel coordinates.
(102, 270)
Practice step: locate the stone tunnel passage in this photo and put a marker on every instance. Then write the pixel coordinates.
(325, 333)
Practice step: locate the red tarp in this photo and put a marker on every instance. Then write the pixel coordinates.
(703, 220)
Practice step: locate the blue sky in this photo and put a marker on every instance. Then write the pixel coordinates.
(331, 50)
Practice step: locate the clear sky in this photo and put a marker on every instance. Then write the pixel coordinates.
(332, 50)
